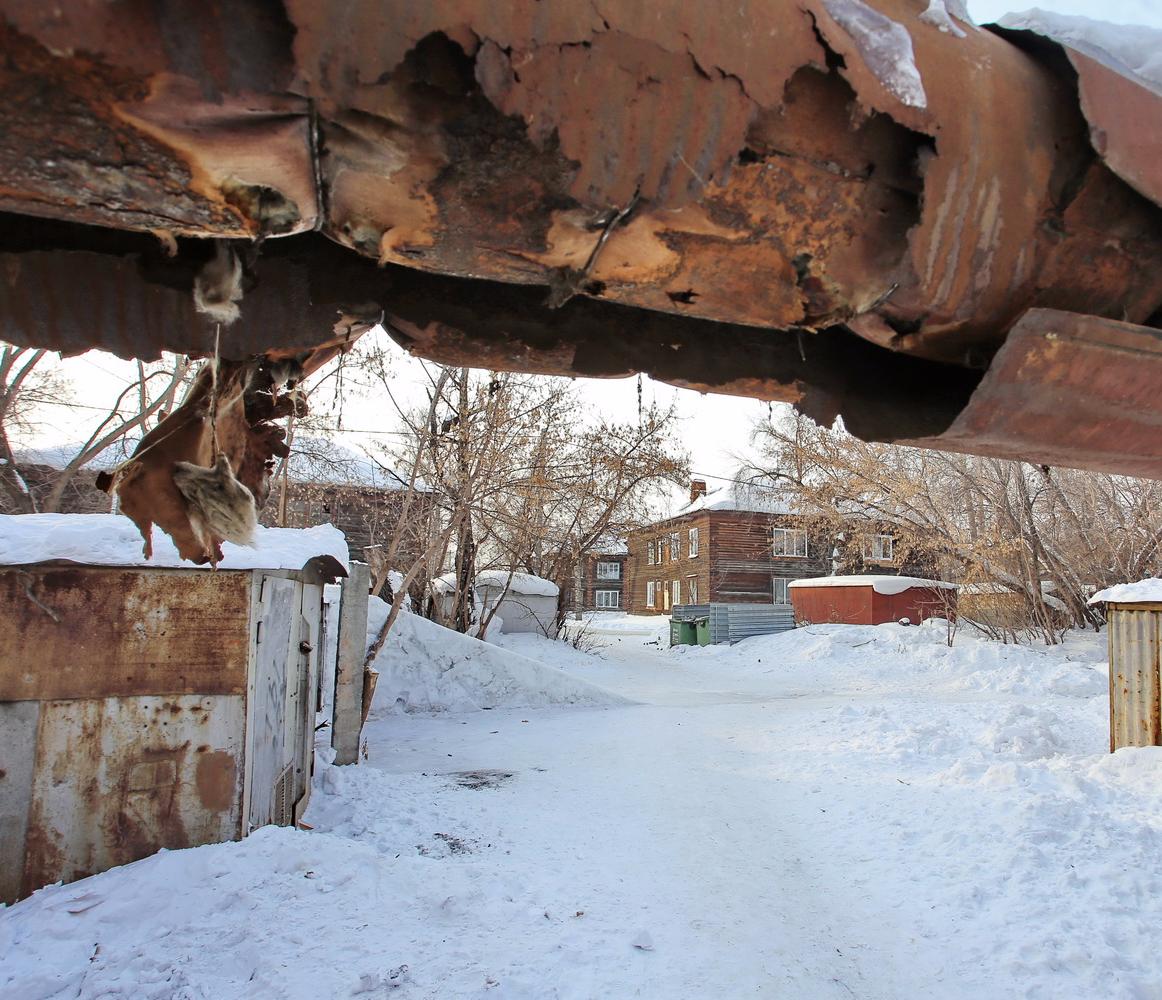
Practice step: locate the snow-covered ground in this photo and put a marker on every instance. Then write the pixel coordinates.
(836, 812)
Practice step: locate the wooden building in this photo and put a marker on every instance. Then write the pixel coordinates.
(365, 514)
(601, 580)
(723, 547)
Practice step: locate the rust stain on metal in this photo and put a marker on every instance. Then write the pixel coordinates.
(217, 779)
(115, 633)
(115, 780)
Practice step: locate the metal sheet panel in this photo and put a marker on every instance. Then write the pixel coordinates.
(118, 779)
(121, 632)
(1068, 390)
(269, 752)
(1135, 709)
(18, 722)
(733, 622)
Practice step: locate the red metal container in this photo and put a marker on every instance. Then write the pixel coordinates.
(871, 600)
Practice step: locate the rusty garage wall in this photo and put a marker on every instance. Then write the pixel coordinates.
(138, 711)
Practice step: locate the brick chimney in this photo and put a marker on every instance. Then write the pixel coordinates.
(697, 489)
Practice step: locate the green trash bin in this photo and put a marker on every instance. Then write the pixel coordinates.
(702, 631)
(682, 633)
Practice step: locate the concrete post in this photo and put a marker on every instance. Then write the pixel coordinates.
(347, 717)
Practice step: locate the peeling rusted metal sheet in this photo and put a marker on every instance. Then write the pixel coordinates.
(792, 167)
(121, 632)
(1068, 390)
(1123, 118)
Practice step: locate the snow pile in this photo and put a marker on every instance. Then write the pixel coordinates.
(113, 540)
(1148, 590)
(424, 667)
(910, 658)
(888, 585)
(1133, 50)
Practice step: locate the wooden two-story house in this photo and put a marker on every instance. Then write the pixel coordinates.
(600, 579)
(733, 547)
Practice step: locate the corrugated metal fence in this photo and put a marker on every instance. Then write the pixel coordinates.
(732, 622)
(1135, 645)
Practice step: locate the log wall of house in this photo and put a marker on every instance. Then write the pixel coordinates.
(743, 562)
(685, 570)
(590, 584)
(734, 565)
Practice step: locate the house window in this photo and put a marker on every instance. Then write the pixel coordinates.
(781, 590)
(691, 590)
(790, 542)
(608, 600)
(676, 588)
(651, 552)
(692, 548)
(675, 546)
(651, 594)
(608, 571)
(878, 548)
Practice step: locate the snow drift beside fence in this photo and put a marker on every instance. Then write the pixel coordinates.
(424, 667)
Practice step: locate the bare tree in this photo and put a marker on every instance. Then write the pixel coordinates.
(25, 390)
(1048, 536)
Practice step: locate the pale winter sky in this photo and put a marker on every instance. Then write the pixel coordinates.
(715, 428)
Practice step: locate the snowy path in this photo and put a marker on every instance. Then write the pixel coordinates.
(859, 814)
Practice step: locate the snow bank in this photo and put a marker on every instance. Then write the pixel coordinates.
(913, 659)
(1129, 593)
(113, 540)
(880, 584)
(424, 667)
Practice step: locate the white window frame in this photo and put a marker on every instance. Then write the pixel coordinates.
(691, 590)
(607, 570)
(675, 545)
(692, 544)
(651, 552)
(651, 594)
(607, 600)
(877, 541)
(676, 592)
(788, 538)
(783, 584)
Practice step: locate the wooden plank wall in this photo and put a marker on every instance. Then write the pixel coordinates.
(744, 561)
(639, 571)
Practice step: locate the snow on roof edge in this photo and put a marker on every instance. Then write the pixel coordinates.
(113, 540)
(887, 585)
(1148, 590)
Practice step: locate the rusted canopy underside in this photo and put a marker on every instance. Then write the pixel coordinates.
(846, 205)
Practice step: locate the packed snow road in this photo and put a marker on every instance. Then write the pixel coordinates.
(837, 812)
